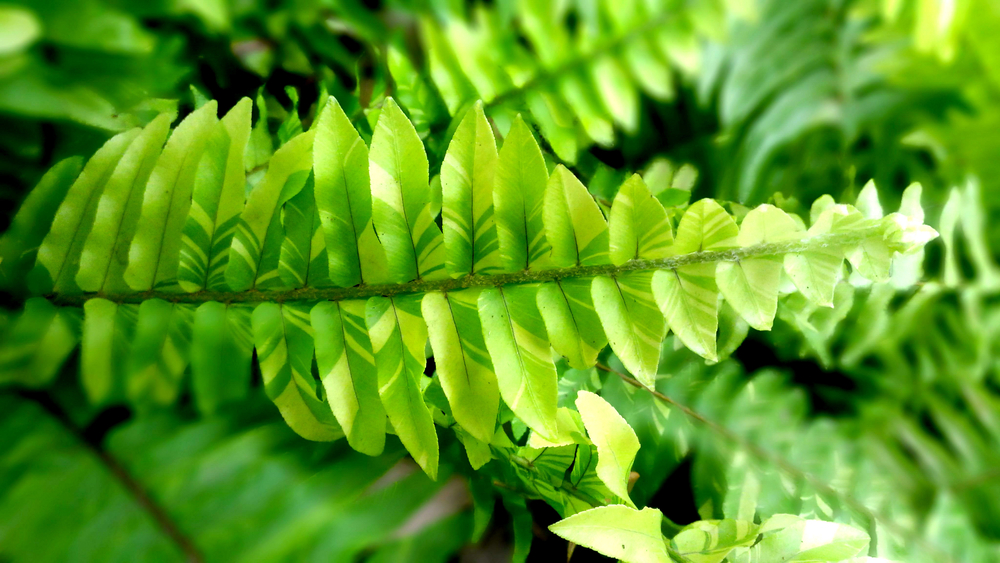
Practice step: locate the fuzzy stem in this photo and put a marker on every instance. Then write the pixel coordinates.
(482, 281)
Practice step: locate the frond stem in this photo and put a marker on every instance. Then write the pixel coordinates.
(482, 281)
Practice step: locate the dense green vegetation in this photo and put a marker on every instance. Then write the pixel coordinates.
(654, 281)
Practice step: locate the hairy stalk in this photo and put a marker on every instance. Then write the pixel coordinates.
(781, 463)
(498, 280)
(141, 496)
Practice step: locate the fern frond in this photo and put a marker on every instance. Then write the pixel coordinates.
(302, 240)
(578, 85)
(933, 351)
(748, 467)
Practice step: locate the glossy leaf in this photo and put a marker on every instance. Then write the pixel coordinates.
(463, 363)
(399, 337)
(347, 368)
(617, 531)
(639, 228)
(574, 225)
(155, 251)
(401, 200)
(259, 220)
(216, 201)
(105, 253)
(60, 252)
(519, 197)
(467, 179)
(632, 321)
(344, 200)
(616, 442)
(514, 332)
(751, 285)
(284, 341)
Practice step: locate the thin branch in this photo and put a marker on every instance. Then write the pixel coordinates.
(147, 503)
(120, 473)
(782, 464)
(482, 281)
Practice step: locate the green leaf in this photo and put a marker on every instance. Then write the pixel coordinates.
(260, 147)
(617, 92)
(689, 300)
(445, 71)
(60, 252)
(581, 99)
(569, 430)
(815, 272)
(160, 352)
(105, 253)
(302, 260)
(632, 321)
(479, 453)
(401, 199)
(617, 531)
(155, 251)
(344, 200)
(399, 337)
(259, 220)
(483, 504)
(35, 347)
(467, 178)
(216, 201)
(19, 28)
(292, 125)
(522, 524)
(572, 323)
(108, 329)
(649, 70)
(515, 337)
(751, 286)
(687, 295)
(519, 198)
(27, 230)
(710, 541)
(639, 228)
(790, 538)
(349, 374)
(284, 342)
(463, 363)
(616, 443)
(283, 260)
(221, 353)
(705, 226)
(867, 203)
(555, 122)
(574, 224)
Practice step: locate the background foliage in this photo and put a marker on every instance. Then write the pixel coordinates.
(881, 413)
